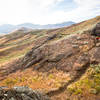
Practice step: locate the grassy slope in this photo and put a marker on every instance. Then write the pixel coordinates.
(89, 83)
(16, 45)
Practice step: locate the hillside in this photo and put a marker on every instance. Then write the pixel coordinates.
(63, 62)
(18, 39)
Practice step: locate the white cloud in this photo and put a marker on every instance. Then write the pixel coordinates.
(42, 12)
(20, 11)
(87, 8)
(44, 3)
(13, 11)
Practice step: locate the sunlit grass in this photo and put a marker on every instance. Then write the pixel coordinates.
(89, 83)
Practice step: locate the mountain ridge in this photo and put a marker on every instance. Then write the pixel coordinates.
(7, 28)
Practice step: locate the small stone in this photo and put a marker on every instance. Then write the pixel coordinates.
(93, 91)
(6, 95)
(98, 44)
(78, 38)
(75, 46)
(12, 98)
(85, 42)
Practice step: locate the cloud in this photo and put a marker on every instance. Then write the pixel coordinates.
(87, 8)
(20, 11)
(44, 3)
(13, 11)
(47, 11)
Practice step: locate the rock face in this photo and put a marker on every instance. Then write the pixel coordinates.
(96, 30)
(71, 54)
(21, 93)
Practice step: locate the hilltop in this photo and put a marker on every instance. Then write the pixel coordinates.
(63, 62)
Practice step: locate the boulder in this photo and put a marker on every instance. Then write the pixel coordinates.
(21, 93)
(96, 30)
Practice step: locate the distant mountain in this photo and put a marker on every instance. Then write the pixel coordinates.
(29, 25)
(59, 25)
(6, 28)
(48, 26)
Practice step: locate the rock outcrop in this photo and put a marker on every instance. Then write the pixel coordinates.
(21, 93)
(72, 54)
(96, 30)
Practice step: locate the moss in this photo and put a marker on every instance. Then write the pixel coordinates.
(10, 82)
(23, 79)
(78, 91)
(35, 79)
(57, 85)
(51, 76)
(71, 89)
(97, 89)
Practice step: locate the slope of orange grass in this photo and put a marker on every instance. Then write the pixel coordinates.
(35, 80)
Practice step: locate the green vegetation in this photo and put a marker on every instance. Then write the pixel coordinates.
(13, 55)
(51, 76)
(90, 83)
(10, 82)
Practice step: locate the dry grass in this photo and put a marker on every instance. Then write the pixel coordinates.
(36, 80)
(17, 44)
(89, 83)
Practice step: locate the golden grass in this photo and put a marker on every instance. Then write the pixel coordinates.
(36, 80)
(89, 83)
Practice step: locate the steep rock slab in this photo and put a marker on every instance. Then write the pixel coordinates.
(69, 54)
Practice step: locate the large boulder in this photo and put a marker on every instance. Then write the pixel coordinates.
(96, 30)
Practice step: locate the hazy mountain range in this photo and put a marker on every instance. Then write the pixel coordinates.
(6, 28)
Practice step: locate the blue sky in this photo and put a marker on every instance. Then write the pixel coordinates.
(65, 5)
(47, 11)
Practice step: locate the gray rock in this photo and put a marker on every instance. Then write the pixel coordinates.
(75, 46)
(22, 93)
(96, 30)
(11, 98)
(85, 42)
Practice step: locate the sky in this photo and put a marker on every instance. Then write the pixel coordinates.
(47, 11)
